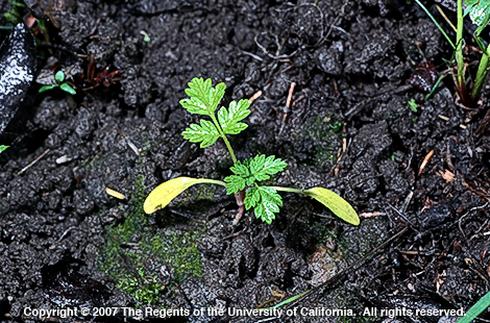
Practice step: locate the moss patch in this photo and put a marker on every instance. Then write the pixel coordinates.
(324, 132)
(134, 255)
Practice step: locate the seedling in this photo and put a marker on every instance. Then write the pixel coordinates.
(479, 13)
(250, 176)
(413, 105)
(59, 82)
(146, 37)
(3, 148)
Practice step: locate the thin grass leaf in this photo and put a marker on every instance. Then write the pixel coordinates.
(436, 23)
(291, 299)
(478, 308)
(435, 87)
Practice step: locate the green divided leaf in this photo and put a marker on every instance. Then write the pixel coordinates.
(203, 97)
(262, 167)
(478, 308)
(205, 133)
(230, 118)
(3, 148)
(265, 201)
(252, 170)
(235, 184)
(68, 88)
(334, 203)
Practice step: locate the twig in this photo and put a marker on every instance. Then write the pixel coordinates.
(426, 160)
(404, 218)
(460, 220)
(289, 101)
(254, 97)
(111, 192)
(23, 170)
(254, 56)
(367, 215)
(443, 14)
(341, 155)
(133, 147)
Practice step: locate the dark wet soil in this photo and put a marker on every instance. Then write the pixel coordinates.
(423, 239)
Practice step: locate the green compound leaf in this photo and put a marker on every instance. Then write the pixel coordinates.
(203, 97)
(479, 12)
(59, 76)
(262, 167)
(205, 133)
(253, 170)
(68, 88)
(230, 118)
(235, 184)
(265, 201)
(334, 203)
(3, 148)
(241, 178)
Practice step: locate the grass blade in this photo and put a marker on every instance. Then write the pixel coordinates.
(291, 299)
(434, 20)
(476, 309)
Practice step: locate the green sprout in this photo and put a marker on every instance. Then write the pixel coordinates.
(413, 105)
(250, 176)
(146, 37)
(59, 82)
(479, 13)
(3, 148)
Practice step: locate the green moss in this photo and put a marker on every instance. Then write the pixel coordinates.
(145, 288)
(324, 132)
(180, 252)
(134, 254)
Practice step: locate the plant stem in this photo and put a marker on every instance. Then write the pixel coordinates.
(210, 181)
(223, 136)
(481, 75)
(434, 20)
(460, 79)
(287, 189)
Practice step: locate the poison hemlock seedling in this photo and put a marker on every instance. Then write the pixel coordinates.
(59, 82)
(248, 177)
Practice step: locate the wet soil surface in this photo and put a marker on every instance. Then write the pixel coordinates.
(423, 240)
